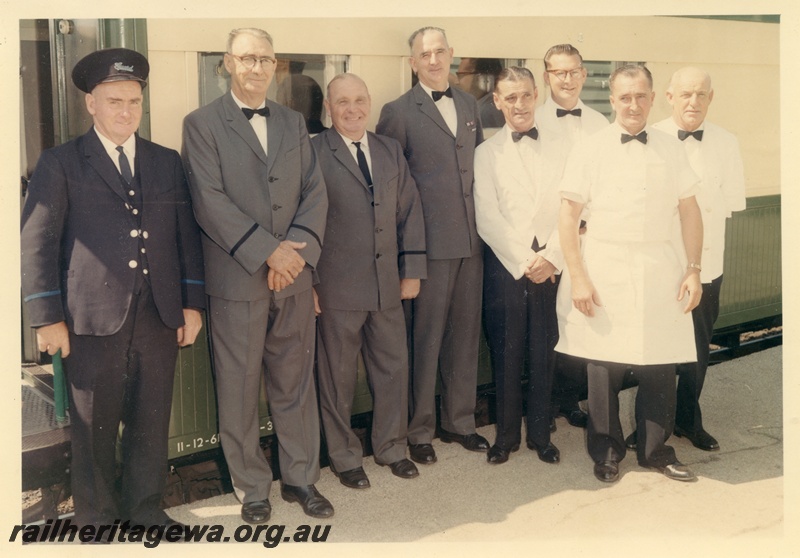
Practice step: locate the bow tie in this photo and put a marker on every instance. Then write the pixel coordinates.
(439, 94)
(697, 134)
(248, 112)
(533, 133)
(641, 136)
(564, 112)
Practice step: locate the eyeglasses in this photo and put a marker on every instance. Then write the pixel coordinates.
(249, 61)
(562, 74)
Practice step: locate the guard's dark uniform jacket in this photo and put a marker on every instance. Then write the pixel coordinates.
(83, 235)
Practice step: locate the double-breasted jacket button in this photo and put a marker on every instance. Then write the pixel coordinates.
(145, 235)
(134, 233)
(133, 264)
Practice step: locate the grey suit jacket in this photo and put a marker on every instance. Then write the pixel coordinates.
(247, 202)
(442, 166)
(375, 236)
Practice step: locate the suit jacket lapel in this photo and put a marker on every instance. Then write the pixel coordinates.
(428, 107)
(276, 123)
(145, 170)
(98, 159)
(343, 155)
(241, 126)
(461, 112)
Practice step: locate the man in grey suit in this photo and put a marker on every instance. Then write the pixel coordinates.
(259, 197)
(374, 257)
(439, 129)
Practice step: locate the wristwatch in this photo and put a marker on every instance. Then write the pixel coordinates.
(696, 266)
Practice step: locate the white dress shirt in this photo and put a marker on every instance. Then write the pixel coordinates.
(128, 146)
(258, 122)
(447, 107)
(354, 152)
(573, 128)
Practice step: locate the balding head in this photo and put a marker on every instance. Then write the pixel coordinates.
(692, 75)
(690, 94)
(348, 104)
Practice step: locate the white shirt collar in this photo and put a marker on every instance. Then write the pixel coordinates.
(430, 91)
(240, 104)
(348, 141)
(129, 146)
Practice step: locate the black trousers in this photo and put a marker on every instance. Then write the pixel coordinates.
(521, 329)
(122, 379)
(692, 376)
(655, 412)
(570, 384)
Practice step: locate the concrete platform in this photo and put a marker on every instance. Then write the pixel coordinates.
(525, 506)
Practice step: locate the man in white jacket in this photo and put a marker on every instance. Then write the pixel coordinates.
(715, 157)
(517, 173)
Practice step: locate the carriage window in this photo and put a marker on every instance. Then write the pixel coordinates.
(595, 89)
(299, 82)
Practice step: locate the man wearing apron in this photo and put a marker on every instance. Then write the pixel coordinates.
(626, 301)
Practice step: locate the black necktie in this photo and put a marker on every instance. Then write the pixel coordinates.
(564, 112)
(697, 134)
(362, 163)
(641, 136)
(124, 166)
(248, 112)
(439, 94)
(533, 133)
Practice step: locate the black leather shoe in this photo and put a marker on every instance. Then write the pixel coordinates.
(353, 478)
(422, 453)
(677, 471)
(498, 455)
(548, 454)
(403, 469)
(313, 503)
(607, 471)
(630, 441)
(701, 440)
(472, 442)
(576, 417)
(256, 512)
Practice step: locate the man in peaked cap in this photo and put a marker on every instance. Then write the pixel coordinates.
(112, 274)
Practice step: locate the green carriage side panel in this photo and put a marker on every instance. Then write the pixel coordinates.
(193, 423)
(752, 288)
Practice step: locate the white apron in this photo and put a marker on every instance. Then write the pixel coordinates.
(632, 193)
